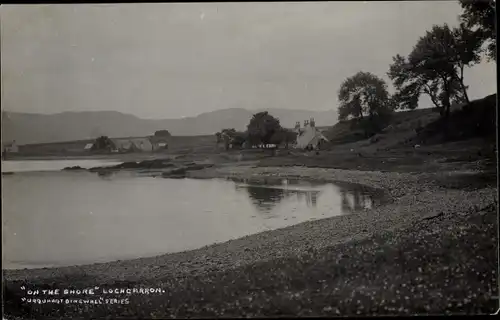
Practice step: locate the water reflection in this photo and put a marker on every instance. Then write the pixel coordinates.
(266, 195)
(355, 200)
(106, 175)
(264, 198)
(310, 197)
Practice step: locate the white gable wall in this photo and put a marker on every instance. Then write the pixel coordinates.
(306, 137)
(310, 135)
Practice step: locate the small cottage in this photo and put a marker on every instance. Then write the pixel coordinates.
(143, 144)
(132, 145)
(10, 147)
(309, 137)
(159, 143)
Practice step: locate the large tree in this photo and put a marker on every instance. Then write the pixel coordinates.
(410, 84)
(218, 137)
(479, 17)
(363, 95)
(262, 127)
(283, 136)
(238, 139)
(436, 67)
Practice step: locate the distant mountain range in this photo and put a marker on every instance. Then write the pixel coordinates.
(28, 128)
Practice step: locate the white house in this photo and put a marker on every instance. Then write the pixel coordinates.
(159, 143)
(132, 144)
(309, 136)
(10, 147)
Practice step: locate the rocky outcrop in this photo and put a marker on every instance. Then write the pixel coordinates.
(182, 172)
(145, 164)
(73, 168)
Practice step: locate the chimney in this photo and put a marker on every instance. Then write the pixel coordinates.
(312, 123)
(306, 122)
(297, 125)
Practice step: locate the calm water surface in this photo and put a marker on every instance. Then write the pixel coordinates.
(68, 218)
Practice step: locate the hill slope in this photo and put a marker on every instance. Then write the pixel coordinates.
(421, 126)
(39, 128)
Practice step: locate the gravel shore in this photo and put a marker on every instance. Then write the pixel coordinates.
(430, 249)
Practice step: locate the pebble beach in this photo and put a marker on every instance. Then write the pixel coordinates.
(425, 240)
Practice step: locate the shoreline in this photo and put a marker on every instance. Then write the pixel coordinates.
(281, 259)
(408, 198)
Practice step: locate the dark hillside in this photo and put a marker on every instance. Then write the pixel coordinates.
(475, 120)
(423, 126)
(403, 121)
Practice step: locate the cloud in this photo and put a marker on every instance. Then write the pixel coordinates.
(172, 60)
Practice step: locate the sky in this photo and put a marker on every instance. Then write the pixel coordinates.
(172, 60)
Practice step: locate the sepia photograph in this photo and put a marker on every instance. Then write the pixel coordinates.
(173, 160)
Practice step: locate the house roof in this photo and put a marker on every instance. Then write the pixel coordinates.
(122, 143)
(9, 145)
(307, 135)
(143, 143)
(154, 139)
(128, 143)
(321, 135)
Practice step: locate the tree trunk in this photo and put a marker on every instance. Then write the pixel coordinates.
(447, 107)
(464, 90)
(446, 102)
(462, 85)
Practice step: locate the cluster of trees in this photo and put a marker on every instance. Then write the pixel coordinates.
(435, 67)
(162, 133)
(262, 130)
(103, 143)
(231, 136)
